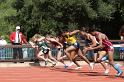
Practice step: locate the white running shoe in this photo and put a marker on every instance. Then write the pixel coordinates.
(91, 65)
(106, 72)
(78, 68)
(72, 63)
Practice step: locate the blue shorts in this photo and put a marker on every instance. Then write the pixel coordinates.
(76, 45)
(64, 45)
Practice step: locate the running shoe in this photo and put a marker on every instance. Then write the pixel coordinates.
(119, 73)
(53, 65)
(78, 68)
(72, 63)
(91, 65)
(106, 72)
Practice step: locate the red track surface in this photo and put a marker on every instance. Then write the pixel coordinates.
(57, 74)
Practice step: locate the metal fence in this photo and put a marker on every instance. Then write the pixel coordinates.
(29, 53)
(6, 53)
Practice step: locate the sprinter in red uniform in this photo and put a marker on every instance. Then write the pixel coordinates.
(108, 47)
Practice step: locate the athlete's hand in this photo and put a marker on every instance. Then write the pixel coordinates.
(89, 48)
(85, 50)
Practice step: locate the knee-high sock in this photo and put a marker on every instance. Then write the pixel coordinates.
(104, 58)
(117, 67)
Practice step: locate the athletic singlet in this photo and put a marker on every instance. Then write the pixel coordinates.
(43, 46)
(70, 39)
(107, 44)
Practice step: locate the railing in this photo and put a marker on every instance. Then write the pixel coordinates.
(6, 53)
(29, 53)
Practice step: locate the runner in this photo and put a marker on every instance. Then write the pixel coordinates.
(108, 47)
(91, 42)
(56, 44)
(74, 46)
(39, 42)
(72, 54)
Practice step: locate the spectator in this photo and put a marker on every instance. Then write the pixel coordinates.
(121, 53)
(2, 50)
(17, 38)
(121, 33)
(121, 49)
(2, 41)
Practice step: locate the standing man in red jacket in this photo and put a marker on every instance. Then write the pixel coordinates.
(17, 38)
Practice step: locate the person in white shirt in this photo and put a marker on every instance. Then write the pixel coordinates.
(2, 50)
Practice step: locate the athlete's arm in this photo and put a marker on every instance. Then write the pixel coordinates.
(32, 44)
(40, 39)
(93, 41)
(100, 36)
(53, 40)
(74, 32)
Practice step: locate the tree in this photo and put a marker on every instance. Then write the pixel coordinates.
(6, 11)
(18, 4)
(43, 16)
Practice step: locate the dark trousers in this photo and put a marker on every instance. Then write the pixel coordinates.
(17, 52)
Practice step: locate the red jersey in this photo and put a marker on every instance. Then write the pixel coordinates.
(108, 46)
(22, 38)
